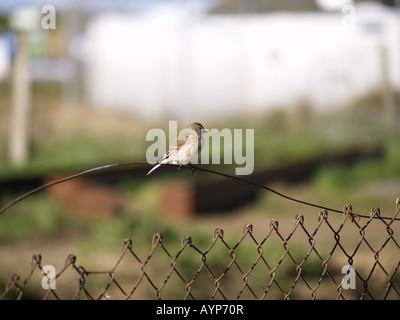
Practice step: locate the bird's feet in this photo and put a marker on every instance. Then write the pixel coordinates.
(190, 166)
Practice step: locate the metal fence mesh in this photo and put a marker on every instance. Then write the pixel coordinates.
(297, 263)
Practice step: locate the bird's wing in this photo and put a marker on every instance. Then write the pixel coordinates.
(174, 147)
(178, 143)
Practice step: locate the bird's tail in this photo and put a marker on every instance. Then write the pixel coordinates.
(154, 168)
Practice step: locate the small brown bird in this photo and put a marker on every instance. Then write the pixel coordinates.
(185, 147)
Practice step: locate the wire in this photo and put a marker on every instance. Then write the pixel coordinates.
(77, 175)
(45, 186)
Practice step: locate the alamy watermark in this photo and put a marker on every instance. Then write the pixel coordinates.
(238, 147)
(49, 18)
(49, 279)
(349, 16)
(349, 280)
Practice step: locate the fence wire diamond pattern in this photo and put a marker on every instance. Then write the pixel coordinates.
(303, 263)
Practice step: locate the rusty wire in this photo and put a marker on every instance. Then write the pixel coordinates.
(276, 280)
(286, 276)
(193, 168)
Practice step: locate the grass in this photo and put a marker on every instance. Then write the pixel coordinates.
(40, 215)
(87, 139)
(280, 137)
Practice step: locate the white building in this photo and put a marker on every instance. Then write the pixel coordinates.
(175, 63)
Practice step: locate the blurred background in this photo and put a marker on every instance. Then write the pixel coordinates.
(81, 83)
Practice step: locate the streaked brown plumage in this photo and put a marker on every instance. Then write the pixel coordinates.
(185, 147)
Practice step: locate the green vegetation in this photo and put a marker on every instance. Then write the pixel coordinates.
(281, 136)
(39, 215)
(88, 139)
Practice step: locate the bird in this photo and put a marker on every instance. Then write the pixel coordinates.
(184, 148)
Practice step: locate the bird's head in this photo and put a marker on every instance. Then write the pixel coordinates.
(198, 127)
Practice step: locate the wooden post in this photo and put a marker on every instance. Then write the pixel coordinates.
(388, 94)
(21, 100)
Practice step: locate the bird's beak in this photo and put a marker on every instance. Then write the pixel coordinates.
(205, 131)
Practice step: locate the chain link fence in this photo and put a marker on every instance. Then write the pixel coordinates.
(337, 257)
